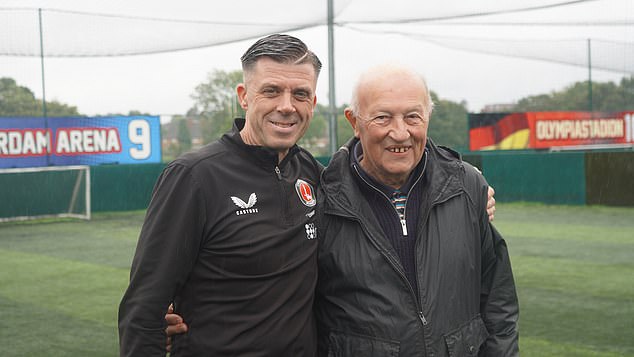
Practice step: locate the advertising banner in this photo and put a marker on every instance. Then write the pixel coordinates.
(549, 130)
(33, 142)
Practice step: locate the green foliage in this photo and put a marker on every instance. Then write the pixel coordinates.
(316, 139)
(133, 112)
(183, 140)
(183, 136)
(608, 97)
(448, 125)
(137, 112)
(216, 103)
(17, 100)
(344, 130)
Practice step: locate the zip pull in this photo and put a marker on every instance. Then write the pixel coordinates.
(279, 174)
(404, 226)
(422, 318)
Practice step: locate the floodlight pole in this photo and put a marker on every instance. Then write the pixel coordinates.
(589, 78)
(332, 106)
(44, 113)
(39, 12)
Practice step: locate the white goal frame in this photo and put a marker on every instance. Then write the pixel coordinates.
(83, 175)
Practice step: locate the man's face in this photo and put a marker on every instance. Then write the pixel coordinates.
(392, 126)
(278, 100)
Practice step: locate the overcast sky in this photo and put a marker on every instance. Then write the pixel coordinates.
(162, 83)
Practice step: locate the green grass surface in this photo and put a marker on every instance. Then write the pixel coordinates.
(574, 270)
(61, 281)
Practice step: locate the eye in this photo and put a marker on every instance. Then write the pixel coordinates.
(301, 95)
(381, 119)
(269, 91)
(413, 119)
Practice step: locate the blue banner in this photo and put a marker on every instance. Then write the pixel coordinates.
(32, 142)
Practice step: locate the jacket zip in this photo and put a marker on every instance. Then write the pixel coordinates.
(395, 265)
(397, 268)
(401, 273)
(284, 202)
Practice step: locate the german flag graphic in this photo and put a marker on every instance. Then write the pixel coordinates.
(498, 131)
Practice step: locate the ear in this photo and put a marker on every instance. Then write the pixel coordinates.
(352, 120)
(241, 90)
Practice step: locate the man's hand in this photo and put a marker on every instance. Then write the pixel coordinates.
(491, 204)
(175, 326)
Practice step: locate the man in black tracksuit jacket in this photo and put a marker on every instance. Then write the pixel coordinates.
(229, 236)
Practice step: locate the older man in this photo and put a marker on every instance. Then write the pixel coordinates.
(408, 262)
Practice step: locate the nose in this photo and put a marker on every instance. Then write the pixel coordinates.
(399, 130)
(285, 105)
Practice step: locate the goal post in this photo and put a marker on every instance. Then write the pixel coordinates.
(44, 192)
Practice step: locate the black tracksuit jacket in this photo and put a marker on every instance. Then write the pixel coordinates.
(230, 238)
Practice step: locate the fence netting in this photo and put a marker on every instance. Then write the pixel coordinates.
(87, 29)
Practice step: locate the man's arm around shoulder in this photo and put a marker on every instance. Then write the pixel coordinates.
(499, 305)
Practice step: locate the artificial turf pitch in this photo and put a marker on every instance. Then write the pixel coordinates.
(61, 281)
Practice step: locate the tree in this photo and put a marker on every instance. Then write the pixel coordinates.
(216, 103)
(183, 136)
(448, 124)
(606, 97)
(17, 100)
(316, 139)
(137, 112)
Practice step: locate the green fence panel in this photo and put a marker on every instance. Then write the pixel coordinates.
(557, 178)
(122, 187)
(610, 178)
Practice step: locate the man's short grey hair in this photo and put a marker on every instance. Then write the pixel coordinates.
(428, 103)
(282, 49)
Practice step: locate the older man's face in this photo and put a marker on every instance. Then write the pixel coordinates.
(392, 126)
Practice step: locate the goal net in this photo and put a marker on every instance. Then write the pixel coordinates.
(44, 192)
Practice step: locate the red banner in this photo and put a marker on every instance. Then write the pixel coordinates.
(548, 130)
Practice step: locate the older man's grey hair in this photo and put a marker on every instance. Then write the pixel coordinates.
(282, 49)
(384, 70)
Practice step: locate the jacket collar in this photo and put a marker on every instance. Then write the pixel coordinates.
(260, 155)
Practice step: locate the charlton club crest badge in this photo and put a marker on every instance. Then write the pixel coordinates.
(305, 192)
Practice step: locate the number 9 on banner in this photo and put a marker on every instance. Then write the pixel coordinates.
(139, 134)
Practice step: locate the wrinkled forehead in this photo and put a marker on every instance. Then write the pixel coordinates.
(405, 93)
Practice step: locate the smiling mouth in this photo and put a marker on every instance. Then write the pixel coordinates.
(282, 125)
(399, 150)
